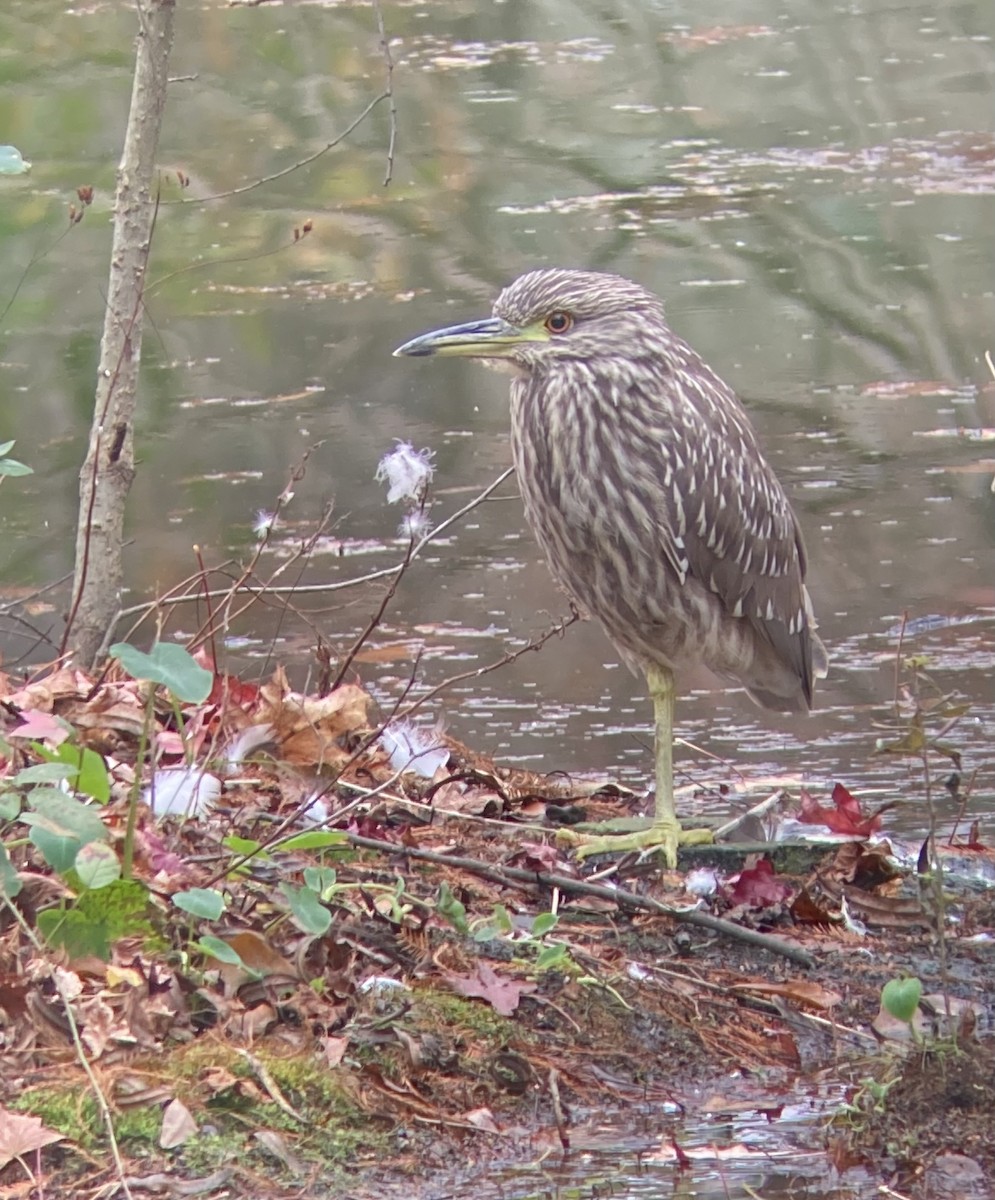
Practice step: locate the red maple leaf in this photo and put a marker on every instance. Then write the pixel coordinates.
(759, 887)
(846, 817)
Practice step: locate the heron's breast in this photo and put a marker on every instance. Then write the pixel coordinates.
(556, 475)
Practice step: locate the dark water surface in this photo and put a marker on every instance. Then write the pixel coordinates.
(809, 186)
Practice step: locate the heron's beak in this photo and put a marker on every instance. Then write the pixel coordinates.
(491, 338)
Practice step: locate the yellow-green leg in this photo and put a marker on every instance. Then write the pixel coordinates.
(665, 832)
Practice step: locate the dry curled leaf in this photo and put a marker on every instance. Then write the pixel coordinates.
(20, 1135)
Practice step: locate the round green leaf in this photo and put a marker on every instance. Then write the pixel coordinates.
(169, 664)
(65, 815)
(318, 879)
(10, 805)
(46, 772)
(206, 903)
(97, 865)
(10, 885)
(61, 826)
(309, 913)
(900, 998)
(220, 950)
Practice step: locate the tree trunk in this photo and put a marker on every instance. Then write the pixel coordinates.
(109, 468)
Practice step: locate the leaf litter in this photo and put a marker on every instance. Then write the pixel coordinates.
(425, 956)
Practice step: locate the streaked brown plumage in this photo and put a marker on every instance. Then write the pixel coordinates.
(647, 491)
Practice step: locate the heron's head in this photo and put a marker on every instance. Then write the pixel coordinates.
(553, 314)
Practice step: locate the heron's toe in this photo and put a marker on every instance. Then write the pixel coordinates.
(662, 837)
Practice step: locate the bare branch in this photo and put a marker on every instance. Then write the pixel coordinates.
(557, 629)
(260, 590)
(310, 158)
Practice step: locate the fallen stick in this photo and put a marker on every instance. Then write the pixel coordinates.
(510, 875)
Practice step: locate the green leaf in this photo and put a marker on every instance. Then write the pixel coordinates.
(543, 923)
(10, 885)
(241, 846)
(501, 919)
(46, 772)
(56, 849)
(452, 909)
(66, 814)
(206, 903)
(169, 664)
(214, 947)
(319, 879)
(900, 998)
(11, 466)
(498, 924)
(307, 909)
(316, 839)
(10, 806)
(83, 769)
(553, 956)
(6, 447)
(97, 865)
(61, 826)
(87, 771)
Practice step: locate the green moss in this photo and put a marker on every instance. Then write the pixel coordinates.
(73, 1112)
(135, 1127)
(308, 1083)
(206, 1152)
(444, 1012)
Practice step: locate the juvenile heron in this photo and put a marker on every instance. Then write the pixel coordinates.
(647, 491)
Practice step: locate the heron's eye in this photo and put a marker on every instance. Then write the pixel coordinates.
(559, 322)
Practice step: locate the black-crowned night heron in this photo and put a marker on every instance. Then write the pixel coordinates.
(648, 493)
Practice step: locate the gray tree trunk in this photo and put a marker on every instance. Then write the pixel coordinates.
(109, 467)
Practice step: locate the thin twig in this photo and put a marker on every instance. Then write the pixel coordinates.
(298, 473)
(898, 663)
(536, 643)
(376, 617)
(259, 589)
(310, 158)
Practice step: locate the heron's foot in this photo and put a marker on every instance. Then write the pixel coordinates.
(664, 835)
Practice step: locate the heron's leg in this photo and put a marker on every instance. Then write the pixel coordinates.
(665, 832)
(660, 681)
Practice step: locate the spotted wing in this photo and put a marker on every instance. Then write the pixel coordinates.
(730, 525)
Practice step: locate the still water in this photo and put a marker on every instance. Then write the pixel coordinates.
(809, 187)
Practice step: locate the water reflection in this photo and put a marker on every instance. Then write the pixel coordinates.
(812, 194)
(743, 1148)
